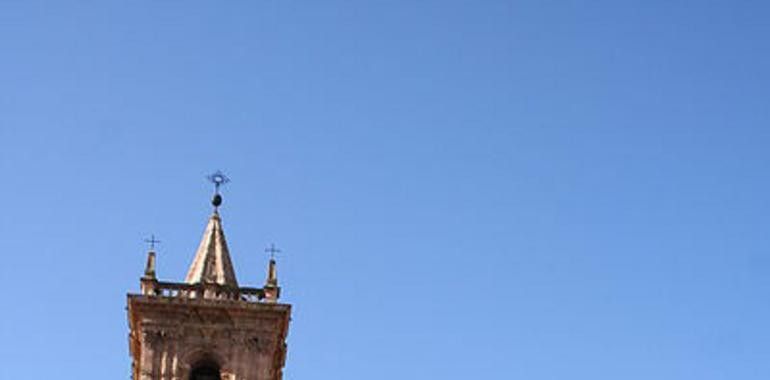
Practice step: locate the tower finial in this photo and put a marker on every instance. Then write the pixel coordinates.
(149, 269)
(218, 179)
(272, 291)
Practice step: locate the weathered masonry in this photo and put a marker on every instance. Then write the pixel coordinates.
(208, 327)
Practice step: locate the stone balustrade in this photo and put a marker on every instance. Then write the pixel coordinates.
(152, 287)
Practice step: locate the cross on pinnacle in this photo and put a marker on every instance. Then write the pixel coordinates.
(272, 251)
(152, 241)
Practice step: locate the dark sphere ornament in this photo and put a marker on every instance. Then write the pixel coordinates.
(217, 200)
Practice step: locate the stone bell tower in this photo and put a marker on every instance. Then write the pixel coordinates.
(208, 327)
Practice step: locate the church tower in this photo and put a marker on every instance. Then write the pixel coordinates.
(208, 327)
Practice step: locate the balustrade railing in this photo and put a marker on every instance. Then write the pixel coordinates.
(201, 291)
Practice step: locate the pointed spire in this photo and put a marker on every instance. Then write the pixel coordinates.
(272, 275)
(272, 291)
(149, 282)
(149, 269)
(212, 262)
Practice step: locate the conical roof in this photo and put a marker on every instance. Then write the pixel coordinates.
(212, 262)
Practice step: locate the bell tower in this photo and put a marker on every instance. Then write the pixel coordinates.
(207, 327)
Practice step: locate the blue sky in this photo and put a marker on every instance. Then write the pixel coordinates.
(462, 189)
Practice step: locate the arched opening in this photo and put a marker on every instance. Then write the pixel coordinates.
(206, 370)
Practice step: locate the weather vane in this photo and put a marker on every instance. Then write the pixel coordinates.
(272, 251)
(218, 179)
(152, 241)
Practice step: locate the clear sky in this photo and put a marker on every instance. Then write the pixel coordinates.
(463, 189)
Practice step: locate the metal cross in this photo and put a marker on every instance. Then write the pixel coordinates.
(152, 242)
(272, 251)
(218, 179)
